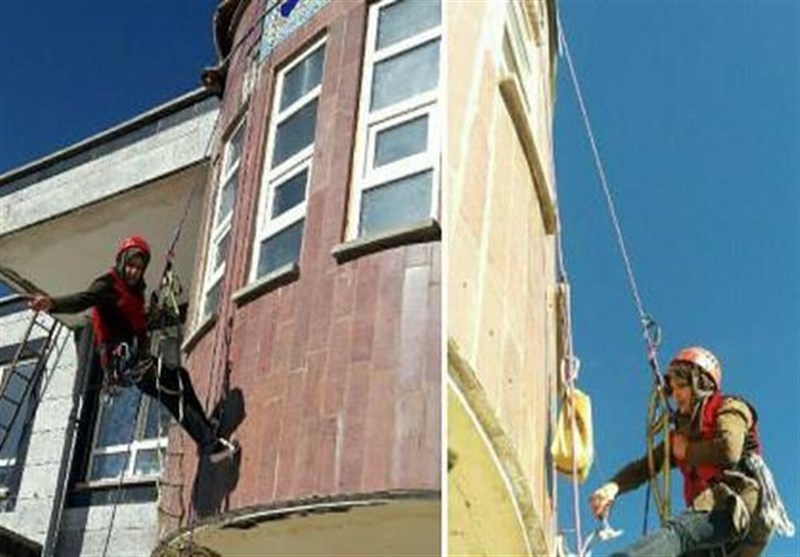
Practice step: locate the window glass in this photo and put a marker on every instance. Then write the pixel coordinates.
(302, 78)
(220, 232)
(280, 249)
(154, 412)
(118, 419)
(5, 474)
(405, 19)
(234, 149)
(395, 204)
(222, 250)
(127, 436)
(405, 75)
(401, 141)
(290, 193)
(15, 389)
(295, 133)
(147, 462)
(227, 198)
(212, 298)
(107, 466)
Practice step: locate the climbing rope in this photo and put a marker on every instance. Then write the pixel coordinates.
(659, 411)
(117, 494)
(571, 367)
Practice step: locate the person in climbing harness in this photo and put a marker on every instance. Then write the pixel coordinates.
(120, 325)
(732, 504)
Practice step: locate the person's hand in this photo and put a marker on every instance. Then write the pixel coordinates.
(602, 499)
(40, 302)
(679, 446)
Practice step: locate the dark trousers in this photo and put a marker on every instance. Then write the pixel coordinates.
(692, 533)
(176, 383)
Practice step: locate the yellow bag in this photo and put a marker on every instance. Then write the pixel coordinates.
(562, 448)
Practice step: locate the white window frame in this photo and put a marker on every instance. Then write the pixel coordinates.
(371, 122)
(131, 449)
(272, 178)
(523, 45)
(228, 170)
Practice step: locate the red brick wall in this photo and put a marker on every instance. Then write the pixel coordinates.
(340, 369)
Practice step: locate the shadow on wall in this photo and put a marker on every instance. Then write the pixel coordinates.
(214, 482)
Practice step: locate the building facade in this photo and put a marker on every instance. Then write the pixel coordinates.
(311, 265)
(317, 309)
(503, 303)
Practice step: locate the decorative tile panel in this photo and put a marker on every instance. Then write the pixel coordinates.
(277, 27)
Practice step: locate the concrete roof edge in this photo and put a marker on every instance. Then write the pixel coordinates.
(170, 107)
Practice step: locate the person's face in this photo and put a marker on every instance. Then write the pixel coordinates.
(681, 394)
(134, 269)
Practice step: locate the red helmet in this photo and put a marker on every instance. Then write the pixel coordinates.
(702, 358)
(134, 242)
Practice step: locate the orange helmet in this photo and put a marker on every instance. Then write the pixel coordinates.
(134, 242)
(702, 358)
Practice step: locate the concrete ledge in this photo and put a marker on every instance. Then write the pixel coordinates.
(401, 522)
(269, 282)
(511, 91)
(467, 383)
(126, 128)
(424, 231)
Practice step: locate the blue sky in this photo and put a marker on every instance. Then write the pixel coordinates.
(72, 68)
(695, 108)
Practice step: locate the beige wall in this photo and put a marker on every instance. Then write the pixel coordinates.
(501, 316)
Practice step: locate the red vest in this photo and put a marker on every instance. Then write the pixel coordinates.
(130, 305)
(698, 478)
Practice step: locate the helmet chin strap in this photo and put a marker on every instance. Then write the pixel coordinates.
(699, 393)
(697, 405)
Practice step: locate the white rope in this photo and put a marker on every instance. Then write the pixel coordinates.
(603, 181)
(569, 369)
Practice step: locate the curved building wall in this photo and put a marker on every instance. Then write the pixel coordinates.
(502, 316)
(327, 369)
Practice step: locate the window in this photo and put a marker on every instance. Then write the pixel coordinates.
(222, 220)
(520, 55)
(13, 442)
(398, 149)
(287, 171)
(129, 431)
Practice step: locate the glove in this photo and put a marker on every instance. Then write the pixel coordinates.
(40, 302)
(602, 499)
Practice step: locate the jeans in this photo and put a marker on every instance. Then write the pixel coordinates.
(692, 533)
(192, 417)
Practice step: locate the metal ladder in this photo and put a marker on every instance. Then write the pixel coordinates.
(26, 350)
